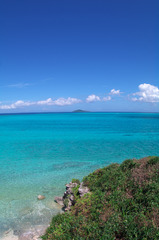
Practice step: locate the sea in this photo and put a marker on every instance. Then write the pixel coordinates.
(40, 153)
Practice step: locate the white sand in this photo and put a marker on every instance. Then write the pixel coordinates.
(30, 234)
(9, 235)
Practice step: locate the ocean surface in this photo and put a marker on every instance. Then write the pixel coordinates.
(40, 153)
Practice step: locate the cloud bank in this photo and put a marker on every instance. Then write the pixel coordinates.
(47, 102)
(51, 102)
(147, 93)
(17, 104)
(59, 101)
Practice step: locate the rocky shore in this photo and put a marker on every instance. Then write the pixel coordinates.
(106, 205)
(66, 202)
(112, 209)
(69, 198)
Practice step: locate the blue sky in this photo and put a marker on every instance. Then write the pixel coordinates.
(65, 55)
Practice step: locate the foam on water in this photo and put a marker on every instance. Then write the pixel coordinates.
(40, 153)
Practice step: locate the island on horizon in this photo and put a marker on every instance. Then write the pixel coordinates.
(79, 111)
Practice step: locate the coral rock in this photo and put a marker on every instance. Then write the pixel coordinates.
(59, 200)
(41, 197)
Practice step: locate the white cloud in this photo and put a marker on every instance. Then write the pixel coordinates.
(92, 98)
(59, 101)
(108, 98)
(134, 99)
(66, 101)
(114, 92)
(147, 93)
(19, 85)
(47, 102)
(17, 104)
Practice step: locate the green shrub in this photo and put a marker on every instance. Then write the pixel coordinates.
(74, 180)
(66, 201)
(127, 165)
(153, 161)
(120, 205)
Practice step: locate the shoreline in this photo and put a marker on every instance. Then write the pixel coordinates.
(29, 234)
(107, 203)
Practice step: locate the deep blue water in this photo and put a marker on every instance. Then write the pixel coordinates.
(40, 153)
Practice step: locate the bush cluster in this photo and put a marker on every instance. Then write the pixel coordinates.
(123, 204)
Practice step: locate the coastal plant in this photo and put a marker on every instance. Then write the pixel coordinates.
(75, 192)
(74, 180)
(123, 204)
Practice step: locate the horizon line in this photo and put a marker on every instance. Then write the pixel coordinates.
(84, 111)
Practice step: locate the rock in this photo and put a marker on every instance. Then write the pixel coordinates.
(59, 200)
(71, 185)
(71, 198)
(68, 205)
(83, 190)
(68, 199)
(41, 197)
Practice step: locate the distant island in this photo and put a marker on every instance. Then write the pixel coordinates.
(79, 111)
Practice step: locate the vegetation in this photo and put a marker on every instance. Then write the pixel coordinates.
(79, 111)
(74, 180)
(123, 204)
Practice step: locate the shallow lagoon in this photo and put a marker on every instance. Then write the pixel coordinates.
(40, 153)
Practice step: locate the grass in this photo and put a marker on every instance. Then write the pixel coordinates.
(123, 204)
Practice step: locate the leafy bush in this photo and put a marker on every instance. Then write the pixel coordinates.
(153, 161)
(127, 165)
(123, 204)
(74, 180)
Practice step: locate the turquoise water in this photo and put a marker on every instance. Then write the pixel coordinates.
(40, 153)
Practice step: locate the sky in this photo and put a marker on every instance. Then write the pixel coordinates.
(95, 55)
